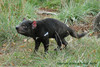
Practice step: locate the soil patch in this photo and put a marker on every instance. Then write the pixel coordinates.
(48, 9)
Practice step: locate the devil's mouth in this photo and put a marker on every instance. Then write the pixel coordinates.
(21, 32)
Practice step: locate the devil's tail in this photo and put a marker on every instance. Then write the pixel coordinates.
(74, 34)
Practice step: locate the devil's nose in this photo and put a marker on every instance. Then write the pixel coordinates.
(16, 27)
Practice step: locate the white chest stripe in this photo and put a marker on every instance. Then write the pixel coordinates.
(46, 34)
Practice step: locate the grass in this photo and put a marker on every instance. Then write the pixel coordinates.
(12, 14)
(80, 51)
(77, 11)
(20, 53)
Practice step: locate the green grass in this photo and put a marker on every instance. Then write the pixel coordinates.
(20, 53)
(77, 11)
(12, 13)
(85, 50)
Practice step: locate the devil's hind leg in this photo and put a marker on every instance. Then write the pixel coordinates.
(59, 42)
(64, 42)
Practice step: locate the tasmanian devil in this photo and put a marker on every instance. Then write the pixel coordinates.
(42, 30)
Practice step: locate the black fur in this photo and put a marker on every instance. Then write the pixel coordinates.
(45, 29)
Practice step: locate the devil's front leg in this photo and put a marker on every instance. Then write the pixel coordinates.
(37, 44)
(45, 42)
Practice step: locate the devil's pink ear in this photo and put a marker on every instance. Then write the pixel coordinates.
(34, 24)
(24, 19)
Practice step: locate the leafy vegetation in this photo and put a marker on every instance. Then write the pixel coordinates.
(16, 52)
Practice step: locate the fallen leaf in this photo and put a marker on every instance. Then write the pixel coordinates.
(91, 34)
(12, 44)
(22, 46)
(1, 53)
(30, 50)
(63, 46)
(4, 49)
(88, 55)
(12, 64)
(94, 51)
(16, 35)
(4, 45)
(30, 61)
(25, 40)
